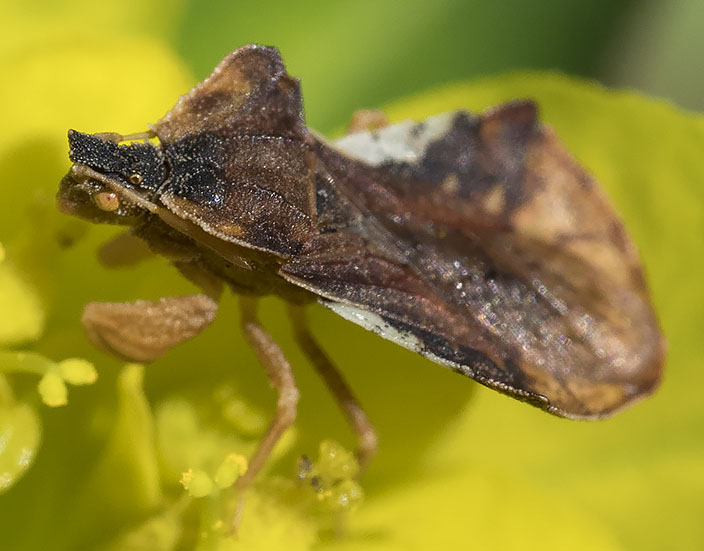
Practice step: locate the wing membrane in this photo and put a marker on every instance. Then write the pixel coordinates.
(521, 257)
(366, 287)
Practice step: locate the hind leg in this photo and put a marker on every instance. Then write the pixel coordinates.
(353, 412)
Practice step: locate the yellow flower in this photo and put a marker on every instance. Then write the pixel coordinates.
(459, 466)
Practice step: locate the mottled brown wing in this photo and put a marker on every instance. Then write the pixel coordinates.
(506, 232)
(240, 163)
(248, 93)
(365, 285)
(256, 191)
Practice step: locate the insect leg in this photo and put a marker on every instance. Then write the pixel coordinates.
(358, 420)
(281, 376)
(145, 330)
(124, 250)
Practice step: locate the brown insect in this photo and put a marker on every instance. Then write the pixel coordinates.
(475, 240)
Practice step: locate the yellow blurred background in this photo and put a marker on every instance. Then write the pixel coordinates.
(459, 467)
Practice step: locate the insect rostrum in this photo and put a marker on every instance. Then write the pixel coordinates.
(475, 240)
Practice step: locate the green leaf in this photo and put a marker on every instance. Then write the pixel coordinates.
(641, 477)
(472, 509)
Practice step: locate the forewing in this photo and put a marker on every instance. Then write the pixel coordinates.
(512, 237)
(366, 286)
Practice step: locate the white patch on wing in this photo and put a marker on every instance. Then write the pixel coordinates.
(377, 325)
(402, 142)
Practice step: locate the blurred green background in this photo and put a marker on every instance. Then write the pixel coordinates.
(367, 53)
(635, 482)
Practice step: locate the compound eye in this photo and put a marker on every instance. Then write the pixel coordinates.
(135, 179)
(107, 201)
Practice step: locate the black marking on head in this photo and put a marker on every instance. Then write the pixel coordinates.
(128, 176)
(99, 154)
(120, 162)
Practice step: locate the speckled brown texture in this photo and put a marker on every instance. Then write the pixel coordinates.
(490, 250)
